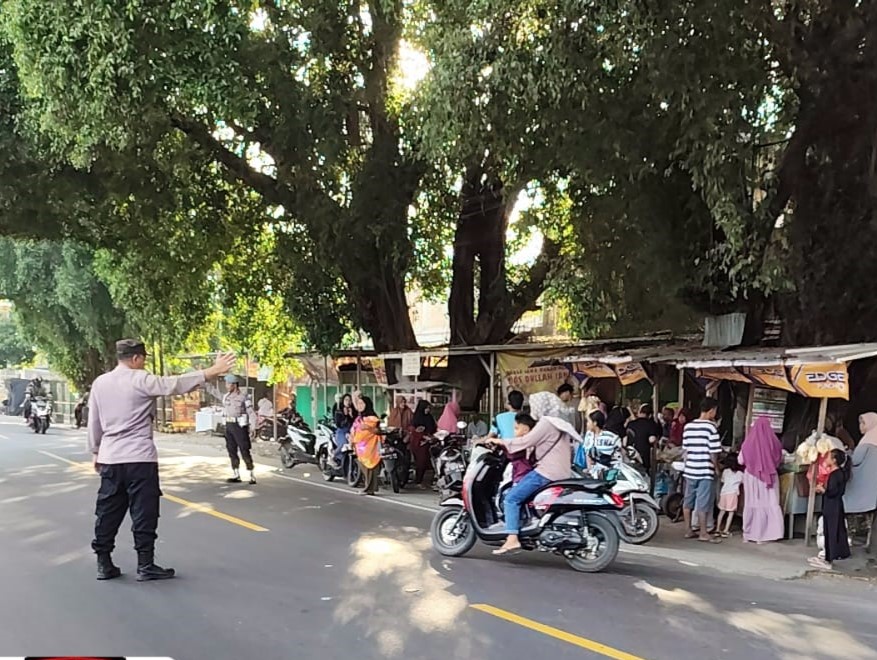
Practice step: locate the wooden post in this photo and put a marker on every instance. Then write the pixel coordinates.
(811, 498)
(274, 396)
(492, 398)
(681, 397)
(749, 405)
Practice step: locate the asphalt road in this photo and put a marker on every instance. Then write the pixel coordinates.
(285, 569)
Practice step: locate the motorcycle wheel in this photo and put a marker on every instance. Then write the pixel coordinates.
(323, 460)
(449, 539)
(607, 548)
(641, 526)
(36, 425)
(394, 480)
(286, 457)
(354, 474)
(45, 427)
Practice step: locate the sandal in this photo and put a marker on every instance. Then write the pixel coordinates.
(692, 535)
(502, 552)
(711, 539)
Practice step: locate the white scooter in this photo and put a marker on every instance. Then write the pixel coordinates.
(639, 517)
(325, 442)
(299, 445)
(40, 415)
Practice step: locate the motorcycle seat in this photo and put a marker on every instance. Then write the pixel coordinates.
(588, 483)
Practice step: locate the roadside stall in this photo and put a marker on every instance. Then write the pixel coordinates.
(772, 374)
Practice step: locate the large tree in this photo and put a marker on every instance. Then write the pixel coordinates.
(301, 104)
(740, 129)
(61, 305)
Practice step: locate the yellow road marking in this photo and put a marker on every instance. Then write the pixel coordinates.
(210, 511)
(200, 508)
(562, 635)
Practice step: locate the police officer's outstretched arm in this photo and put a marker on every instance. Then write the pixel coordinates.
(95, 431)
(173, 385)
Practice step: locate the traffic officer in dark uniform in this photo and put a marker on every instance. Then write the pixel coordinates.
(236, 409)
(120, 416)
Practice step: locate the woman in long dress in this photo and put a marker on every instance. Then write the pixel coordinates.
(761, 455)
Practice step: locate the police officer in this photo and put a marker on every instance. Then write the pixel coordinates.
(236, 409)
(120, 415)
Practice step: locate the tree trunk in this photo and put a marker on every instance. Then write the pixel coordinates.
(480, 260)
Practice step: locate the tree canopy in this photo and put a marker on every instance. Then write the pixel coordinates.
(676, 158)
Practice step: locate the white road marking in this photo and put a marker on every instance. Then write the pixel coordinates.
(347, 491)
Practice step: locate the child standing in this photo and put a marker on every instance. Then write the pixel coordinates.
(837, 545)
(729, 497)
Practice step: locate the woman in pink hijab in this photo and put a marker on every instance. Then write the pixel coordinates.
(761, 455)
(450, 417)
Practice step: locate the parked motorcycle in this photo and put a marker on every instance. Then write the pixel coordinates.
(299, 445)
(347, 470)
(325, 445)
(639, 516)
(574, 518)
(40, 415)
(449, 460)
(395, 460)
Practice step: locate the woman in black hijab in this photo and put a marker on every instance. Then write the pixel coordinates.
(424, 425)
(617, 420)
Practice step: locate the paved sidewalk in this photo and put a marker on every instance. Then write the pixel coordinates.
(783, 560)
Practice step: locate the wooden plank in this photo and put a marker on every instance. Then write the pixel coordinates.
(811, 498)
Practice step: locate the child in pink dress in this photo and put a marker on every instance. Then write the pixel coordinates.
(729, 497)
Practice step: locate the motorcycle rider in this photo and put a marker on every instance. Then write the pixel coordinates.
(345, 413)
(34, 390)
(550, 441)
(236, 409)
(80, 409)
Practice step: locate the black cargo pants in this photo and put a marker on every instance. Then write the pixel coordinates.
(127, 487)
(237, 437)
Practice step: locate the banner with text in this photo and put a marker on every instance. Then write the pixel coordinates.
(593, 369)
(822, 381)
(722, 373)
(532, 371)
(630, 373)
(774, 377)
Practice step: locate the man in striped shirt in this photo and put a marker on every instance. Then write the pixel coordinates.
(701, 445)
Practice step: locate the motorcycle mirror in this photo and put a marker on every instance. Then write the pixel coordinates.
(461, 425)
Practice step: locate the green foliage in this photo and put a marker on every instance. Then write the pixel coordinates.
(15, 349)
(61, 306)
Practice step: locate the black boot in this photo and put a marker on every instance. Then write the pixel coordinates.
(148, 570)
(106, 570)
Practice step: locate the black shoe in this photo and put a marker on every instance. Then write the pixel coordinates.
(106, 570)
(252, 481)
(233, 480)
(148, 570)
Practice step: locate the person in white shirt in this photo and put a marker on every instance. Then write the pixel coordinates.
(729, 496)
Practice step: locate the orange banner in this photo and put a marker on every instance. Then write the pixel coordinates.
(722, 373)
(630, 373)
(822, 381)
(773, 377)
(594, 370)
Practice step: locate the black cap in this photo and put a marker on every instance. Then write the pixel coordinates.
(126, 348)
